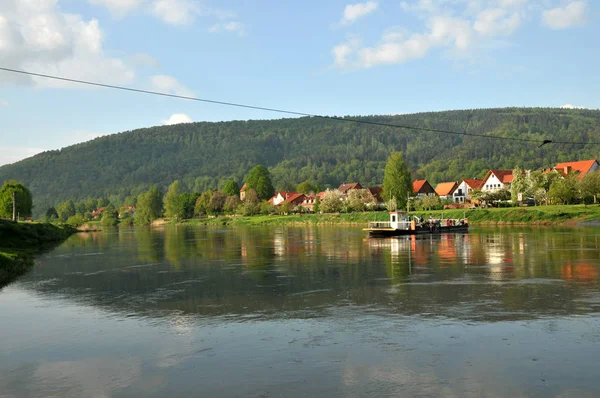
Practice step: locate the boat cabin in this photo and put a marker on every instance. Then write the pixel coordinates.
(399, 220)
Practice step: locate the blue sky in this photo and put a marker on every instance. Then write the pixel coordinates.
(334, 57)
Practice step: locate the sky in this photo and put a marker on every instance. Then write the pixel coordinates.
(320, 57)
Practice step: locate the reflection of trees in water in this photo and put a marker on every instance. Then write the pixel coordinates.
(482, 275)
(13, 268)
(150, 244)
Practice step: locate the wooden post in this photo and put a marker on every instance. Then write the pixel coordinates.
(14, 217)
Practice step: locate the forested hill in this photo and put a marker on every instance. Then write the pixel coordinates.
(329, 152)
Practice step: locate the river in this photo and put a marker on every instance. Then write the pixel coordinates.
(306, 312)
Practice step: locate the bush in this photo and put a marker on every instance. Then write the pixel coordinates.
(76, 220)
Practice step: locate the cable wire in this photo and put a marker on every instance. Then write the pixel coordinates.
(541, 142)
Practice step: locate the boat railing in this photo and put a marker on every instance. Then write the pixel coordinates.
(380, 224)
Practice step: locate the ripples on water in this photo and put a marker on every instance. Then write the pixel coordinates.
(263, 312)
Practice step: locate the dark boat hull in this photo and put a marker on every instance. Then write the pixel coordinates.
(418, 231)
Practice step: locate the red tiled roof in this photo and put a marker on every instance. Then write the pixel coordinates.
(505, 176)
(422, 186)
(418, 184)
(582, 166)
(346, 187)
(473, 184)
(295, 198)
(445, 188)
(243, 187)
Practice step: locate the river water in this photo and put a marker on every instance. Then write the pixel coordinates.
(305, 312)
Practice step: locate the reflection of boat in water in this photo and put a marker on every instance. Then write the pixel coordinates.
(401, 224)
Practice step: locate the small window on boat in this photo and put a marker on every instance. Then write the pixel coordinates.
(394, 218)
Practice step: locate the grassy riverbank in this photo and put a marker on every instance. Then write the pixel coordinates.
(541, 215)
(19, 242)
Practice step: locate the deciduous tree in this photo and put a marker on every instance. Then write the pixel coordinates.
(397, 182)
(174, 205)
(149, 206)
(332, 201)
(231, 188)
(259, 179)
(22, 196)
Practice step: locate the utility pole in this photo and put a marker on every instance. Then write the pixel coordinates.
(14, 218)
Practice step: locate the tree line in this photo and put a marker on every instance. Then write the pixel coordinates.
(203, 156)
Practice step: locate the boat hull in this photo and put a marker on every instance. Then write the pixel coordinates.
(384, 232)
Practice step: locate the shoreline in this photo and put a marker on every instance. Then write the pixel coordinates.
(556, 215)
(20, 242)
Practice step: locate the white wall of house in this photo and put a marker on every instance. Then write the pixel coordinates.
(278, 199)
(461, 194)
(492, 184)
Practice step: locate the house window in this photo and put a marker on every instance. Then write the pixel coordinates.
(393, 218)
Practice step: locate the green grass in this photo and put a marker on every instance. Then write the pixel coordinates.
(543, 215)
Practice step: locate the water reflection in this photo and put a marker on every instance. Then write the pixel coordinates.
(306, 311)
(483, 275)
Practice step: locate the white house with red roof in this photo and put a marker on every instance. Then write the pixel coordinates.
(495, 180)
(281, 197)
(462, 191)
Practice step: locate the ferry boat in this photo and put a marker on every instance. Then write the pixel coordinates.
(401, 223)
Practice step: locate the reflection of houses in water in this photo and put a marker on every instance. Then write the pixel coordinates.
(496, 251)
(579, 272)
(279, 244)
(447, 249)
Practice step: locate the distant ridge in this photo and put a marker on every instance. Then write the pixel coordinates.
(328, 152)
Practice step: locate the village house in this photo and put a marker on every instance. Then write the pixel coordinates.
(581, 168)
(243, 192)
(445, 189)
(462, 192)
(422, 188)
(280, 197)
(294, 199)
(97, 213)
(345, 188)
(495, 180)
(308, 202)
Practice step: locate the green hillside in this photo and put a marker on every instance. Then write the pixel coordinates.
(204, 155)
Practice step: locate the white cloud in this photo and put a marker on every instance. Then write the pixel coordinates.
(461, 32)
(177, 119)
(565, 17)
(569, 106)
(497, 22)
(172, 12)
(352, 12)
(232, 26)
(118, 7)
(168, 84)
(176, 12)
(36, 36)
